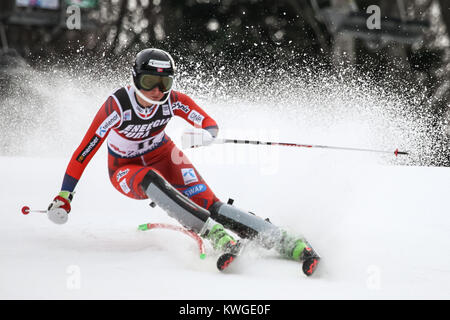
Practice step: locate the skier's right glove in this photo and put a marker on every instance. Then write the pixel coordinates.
(58, 210)
(196, 137)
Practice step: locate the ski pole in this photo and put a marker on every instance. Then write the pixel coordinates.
(26, 210)
(396, 152)
(192, 234)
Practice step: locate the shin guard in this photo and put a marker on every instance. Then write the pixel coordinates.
(246, 224)
(177, 206)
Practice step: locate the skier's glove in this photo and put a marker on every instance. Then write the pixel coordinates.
(59, 209)
(194, 137)
(207, 138)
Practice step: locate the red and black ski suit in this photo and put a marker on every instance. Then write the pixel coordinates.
(137, 143)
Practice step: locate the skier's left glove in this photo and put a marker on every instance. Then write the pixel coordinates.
(59, 209)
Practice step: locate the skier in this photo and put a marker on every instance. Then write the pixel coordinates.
(144, 163)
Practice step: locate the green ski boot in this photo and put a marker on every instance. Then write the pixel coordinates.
(219, 238)
(223, 242)
(299, 250)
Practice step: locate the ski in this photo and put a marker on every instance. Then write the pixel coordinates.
(190, 233)
(230, 254)
(310, 259)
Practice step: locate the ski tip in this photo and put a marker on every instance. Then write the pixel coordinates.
(202, 256)
(224, 261)
(143, 227)
(310, 265)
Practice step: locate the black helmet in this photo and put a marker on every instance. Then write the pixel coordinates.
(153, 67)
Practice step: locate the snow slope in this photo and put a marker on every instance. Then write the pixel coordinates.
(381, 224)
(382, 232)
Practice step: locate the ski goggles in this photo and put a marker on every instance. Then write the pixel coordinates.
(149, 81)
